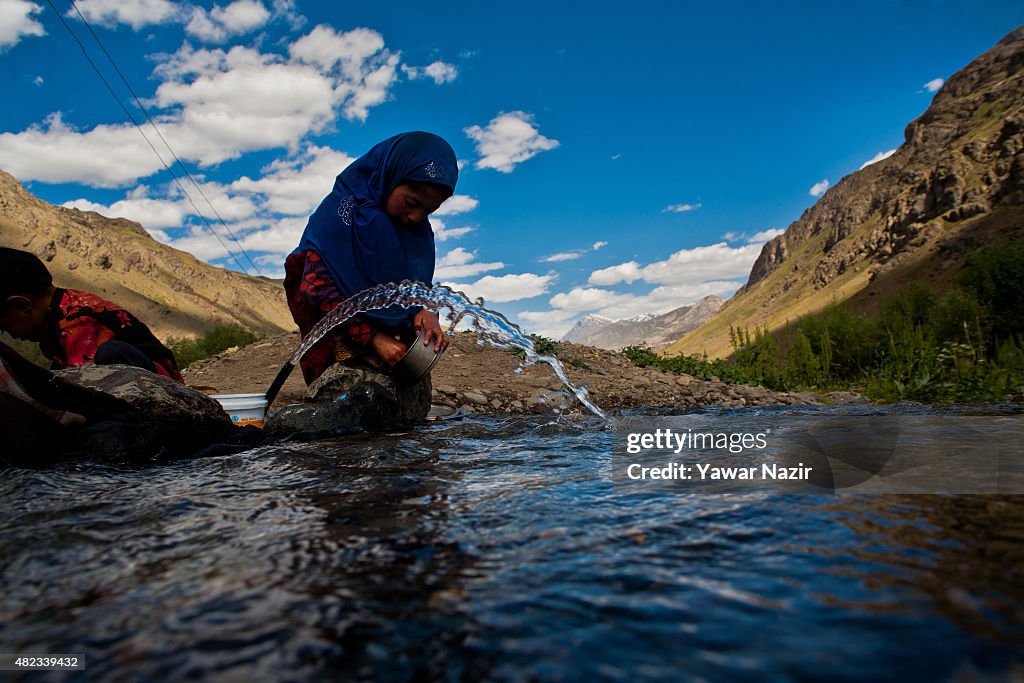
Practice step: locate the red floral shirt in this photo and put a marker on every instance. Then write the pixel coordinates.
(80, 322)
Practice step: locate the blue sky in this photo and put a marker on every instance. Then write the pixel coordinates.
(618, 158)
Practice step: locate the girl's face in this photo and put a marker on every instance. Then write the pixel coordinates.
(408, 207)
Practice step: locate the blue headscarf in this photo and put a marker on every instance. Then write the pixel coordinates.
(357, 241)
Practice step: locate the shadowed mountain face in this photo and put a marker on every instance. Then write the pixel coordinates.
(956, 184)
(174, 293)
(657, 331)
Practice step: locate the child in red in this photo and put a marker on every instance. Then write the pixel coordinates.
(74, 327)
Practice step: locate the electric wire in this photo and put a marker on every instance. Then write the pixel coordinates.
(156, 129)
(138, 127)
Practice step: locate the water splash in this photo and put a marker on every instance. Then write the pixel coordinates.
(493, 327)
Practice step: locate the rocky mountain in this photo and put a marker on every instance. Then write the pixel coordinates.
(657, 331)
(956, 184)
(171, 291)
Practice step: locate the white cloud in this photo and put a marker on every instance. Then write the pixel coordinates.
(818, 189)
(134, 13)
(499, 289)
(684, 267)
(220, 23)
(681, 279)
(571, 255)
(680, 208)
(106, 156)
(552, 323)
(757, 237)
(279, 238)
(440, 72)
(241, 100)
(664, 299)
(508, 140)
(764, 235)
(156, 213)
(878, 157)
(284, 10)
(934, 85)
(442, 233)
(581, 299)
(624, 272)
(616, 157)
(227, 206)
(700, 264)
(16, 21)
(217, 105)
(205, 246)
(153, 214)
(297, 185)
(563, 256)
(38, 80)
(568, 307)
(456, 204)
(459, 263)
(364, 68)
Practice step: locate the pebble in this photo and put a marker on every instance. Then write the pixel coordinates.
(475, 398)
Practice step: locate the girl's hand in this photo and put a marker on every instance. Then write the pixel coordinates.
(428, 320)
(387, 348)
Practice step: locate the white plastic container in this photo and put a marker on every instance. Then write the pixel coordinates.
(245, 409)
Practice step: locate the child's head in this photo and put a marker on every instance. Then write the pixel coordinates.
(412, 201)
(26, 288)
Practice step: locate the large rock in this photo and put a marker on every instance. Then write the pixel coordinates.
(162, 419)
(153, 394)
(350, 398)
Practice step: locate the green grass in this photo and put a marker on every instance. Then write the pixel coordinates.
(215, 340)
(966, 344)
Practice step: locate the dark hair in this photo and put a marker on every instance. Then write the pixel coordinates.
(21, 272)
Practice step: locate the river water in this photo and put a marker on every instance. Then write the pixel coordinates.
(499, 549)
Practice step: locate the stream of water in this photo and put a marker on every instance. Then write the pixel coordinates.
(503, 549)
(492, 327)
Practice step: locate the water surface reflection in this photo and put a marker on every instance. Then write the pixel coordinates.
(495, 549)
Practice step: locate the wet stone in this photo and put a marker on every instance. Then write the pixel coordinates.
(475, 398)
(156, 395)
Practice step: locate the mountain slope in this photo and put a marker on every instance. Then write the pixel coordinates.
(957, 183)
(657, 331)
(171, 291)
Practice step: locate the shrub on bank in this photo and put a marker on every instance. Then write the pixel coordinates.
(966, 344)
(215, 340)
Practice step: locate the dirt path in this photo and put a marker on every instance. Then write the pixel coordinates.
(482, 378)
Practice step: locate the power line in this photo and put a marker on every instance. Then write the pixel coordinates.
(164, 140)
(131, 118)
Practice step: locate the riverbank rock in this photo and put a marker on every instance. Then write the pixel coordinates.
(153, 394)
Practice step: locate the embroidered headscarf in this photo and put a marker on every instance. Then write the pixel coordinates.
(358, 241)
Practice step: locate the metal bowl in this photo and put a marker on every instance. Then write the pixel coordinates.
(417, 361)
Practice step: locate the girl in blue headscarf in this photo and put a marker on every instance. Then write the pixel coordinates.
(372, 229)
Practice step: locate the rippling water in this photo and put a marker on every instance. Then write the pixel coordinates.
(496, 549)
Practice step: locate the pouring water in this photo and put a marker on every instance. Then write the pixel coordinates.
(493, 327)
